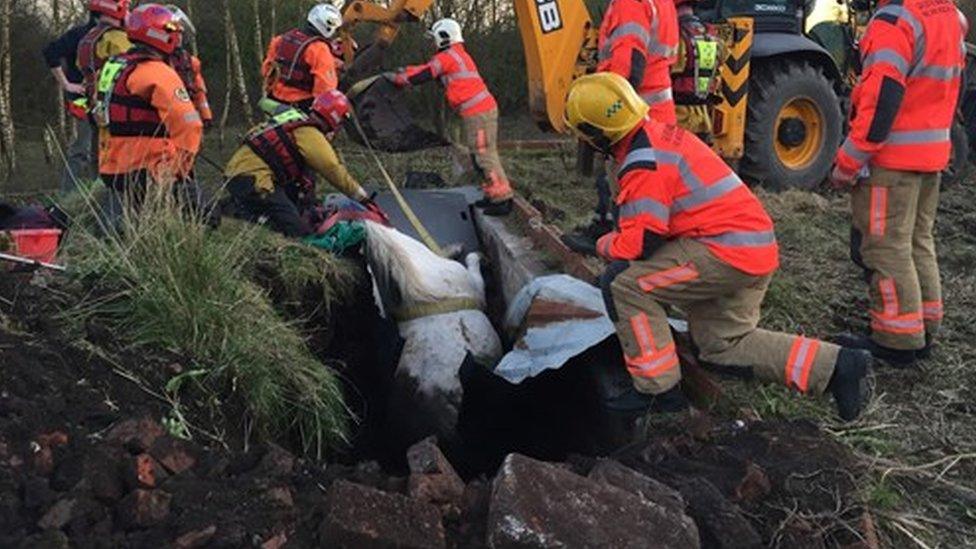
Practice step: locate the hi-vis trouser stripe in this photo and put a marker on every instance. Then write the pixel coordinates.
(801, 359)
(879, 211)
(651, 362)
(889, 319)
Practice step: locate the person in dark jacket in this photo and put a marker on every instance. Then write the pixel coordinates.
(60, 55)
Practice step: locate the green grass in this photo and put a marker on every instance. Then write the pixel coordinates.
(167, 282)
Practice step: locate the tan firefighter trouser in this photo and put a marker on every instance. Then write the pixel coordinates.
(894, 215)
(481, 139)
(723, 308)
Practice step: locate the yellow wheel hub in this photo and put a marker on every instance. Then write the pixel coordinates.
(798, 133)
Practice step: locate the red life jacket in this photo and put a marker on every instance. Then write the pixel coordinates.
(88, 63)
(673, 185)
(129, 115)
(293, 71)
(274, 143)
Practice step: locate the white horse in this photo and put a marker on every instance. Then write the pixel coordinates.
(438, 305)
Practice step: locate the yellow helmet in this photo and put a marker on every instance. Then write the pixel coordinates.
(603, 108)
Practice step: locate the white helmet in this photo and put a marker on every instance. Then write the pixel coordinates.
(446, 33)
(183, 18)
(339, 4)
(326, 19)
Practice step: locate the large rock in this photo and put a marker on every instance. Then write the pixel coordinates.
(432, 478)
(538, 504)
(721, 522)
(359, 516)
(667, 500)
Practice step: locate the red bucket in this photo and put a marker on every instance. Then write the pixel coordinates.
(37, 244)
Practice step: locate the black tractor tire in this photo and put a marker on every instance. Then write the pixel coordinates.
(773, 85)
(959, 168)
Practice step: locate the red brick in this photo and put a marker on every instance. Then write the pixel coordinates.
(143, 471)
(173, 454)
(143, 508)
(276, 542)
(136, 434)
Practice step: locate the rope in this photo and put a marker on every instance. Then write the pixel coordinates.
(425, 236)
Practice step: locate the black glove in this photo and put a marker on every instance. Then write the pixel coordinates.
(580, 244)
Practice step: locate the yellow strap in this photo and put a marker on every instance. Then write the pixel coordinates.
(445, 306)
(425, 236)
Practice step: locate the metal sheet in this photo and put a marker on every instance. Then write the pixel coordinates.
(445, 213)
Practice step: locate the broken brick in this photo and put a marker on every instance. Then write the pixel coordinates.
(173, 454)
(196, 538)
(58, 515)
(281, 495)
(432, 478)
(143, 508)
(43, 448)
(754, 485)
(137, 435)
(276, 462)
(276, 542)
(360, 516)
(143, 471)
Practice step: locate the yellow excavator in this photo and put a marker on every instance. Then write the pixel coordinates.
(777, 113)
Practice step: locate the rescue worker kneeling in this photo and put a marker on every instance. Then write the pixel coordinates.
(271, 178)
(150, 130)
(692, 235)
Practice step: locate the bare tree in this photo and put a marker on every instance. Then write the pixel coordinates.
(235, 73)
(59, 97)
(258, 40)
(274, 17)
(194, 47)
(7, 153)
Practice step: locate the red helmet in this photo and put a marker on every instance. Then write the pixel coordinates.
(333, 107)
(112, 8)
(155, 26)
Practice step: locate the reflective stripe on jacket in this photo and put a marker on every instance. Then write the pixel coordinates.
(903, 105)
(639, 41)
(672, 185)
(466, 91)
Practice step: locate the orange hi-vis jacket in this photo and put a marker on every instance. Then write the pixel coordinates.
(152, 123)
(639, 41)
(190, 69)
(298, 67)
(466, 91)
(673, 186)
(903, 106)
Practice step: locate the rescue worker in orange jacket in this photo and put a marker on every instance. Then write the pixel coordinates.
(902, 111)
(150, 130)
(691, 234)
(190, 69)
(299, 65)
(106, 39)
(470, 98)
(272, 175)
(639, 41)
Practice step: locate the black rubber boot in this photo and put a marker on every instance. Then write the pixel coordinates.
(849, 382)
(635, 402)
(925, 353)
(580, 243)
(495, 209)
(893, 357)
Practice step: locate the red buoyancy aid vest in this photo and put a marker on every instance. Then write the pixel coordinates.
(274, 143)
(293, 71)
(129, 115)
(675, 186)
(88, 63)
(913, 55)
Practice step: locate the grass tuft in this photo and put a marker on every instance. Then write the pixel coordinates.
(164, 280)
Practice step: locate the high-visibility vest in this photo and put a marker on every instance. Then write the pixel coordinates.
(648, 28)
(293, 70)
(675, 186)
(454, 68)
(123, 113)
(274, 143)
(912, 56)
